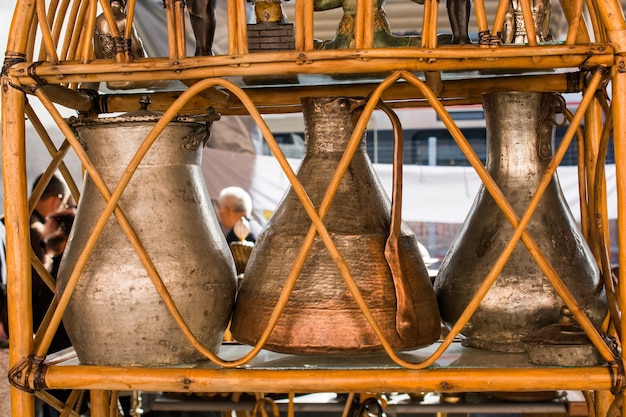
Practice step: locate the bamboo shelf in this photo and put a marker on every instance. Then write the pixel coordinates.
(51, 61)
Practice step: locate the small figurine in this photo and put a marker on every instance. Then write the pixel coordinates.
(202, 18)
(268, 11)
(344, 38)
(514, 29)
(105, 45)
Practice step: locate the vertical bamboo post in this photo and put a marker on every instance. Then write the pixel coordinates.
(242, 28)
(233, 46)
(130, 16)
(179, 25)
(498, 22)
(481, 17)
(18, 236)
(100, 403)
(171, 29)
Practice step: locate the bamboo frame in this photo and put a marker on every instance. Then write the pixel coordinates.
(71, 63)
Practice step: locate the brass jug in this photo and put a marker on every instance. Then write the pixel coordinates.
(321, 315)
(520, 139)
(115, 316)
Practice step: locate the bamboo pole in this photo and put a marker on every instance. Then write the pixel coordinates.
(593, 129)
(51, 18)
(577, 31)
(69, 33)
(86, 33)
(619, 139)
(179, 26)
(233, 42)
(130, 17)
(324, 380)
(170, 20)
(46, 34)
(18, 236)
(82, 17)
(99, 403)
(342, 61)
(498, 22)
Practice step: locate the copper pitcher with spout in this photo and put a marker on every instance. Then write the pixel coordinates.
(115, 316)
(520, 139)
(321, 315)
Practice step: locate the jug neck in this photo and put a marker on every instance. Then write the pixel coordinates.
(329, 123)
(520, 133)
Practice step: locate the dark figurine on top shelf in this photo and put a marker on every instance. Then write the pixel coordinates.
(202, 18)
(459, 15)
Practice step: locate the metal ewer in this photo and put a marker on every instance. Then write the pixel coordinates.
(520, 136)
(321, 315)
(115, 316)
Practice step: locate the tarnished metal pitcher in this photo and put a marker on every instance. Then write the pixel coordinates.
(321, 315)
(520, 137)
(115, 316)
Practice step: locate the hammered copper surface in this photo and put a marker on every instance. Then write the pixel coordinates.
(321, 315)
(520, 136)
(116, 316)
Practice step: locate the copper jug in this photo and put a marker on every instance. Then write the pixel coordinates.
(115, 316)
(321, 315)
(520, 139)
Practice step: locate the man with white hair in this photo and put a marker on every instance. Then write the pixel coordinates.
(233, 204)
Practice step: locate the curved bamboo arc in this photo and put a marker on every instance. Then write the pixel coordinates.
(47, 141)
(46, 34)
(19, 30)
(32, 37)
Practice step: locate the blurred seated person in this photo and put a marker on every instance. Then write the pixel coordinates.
(234, 203)
(48, 237)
